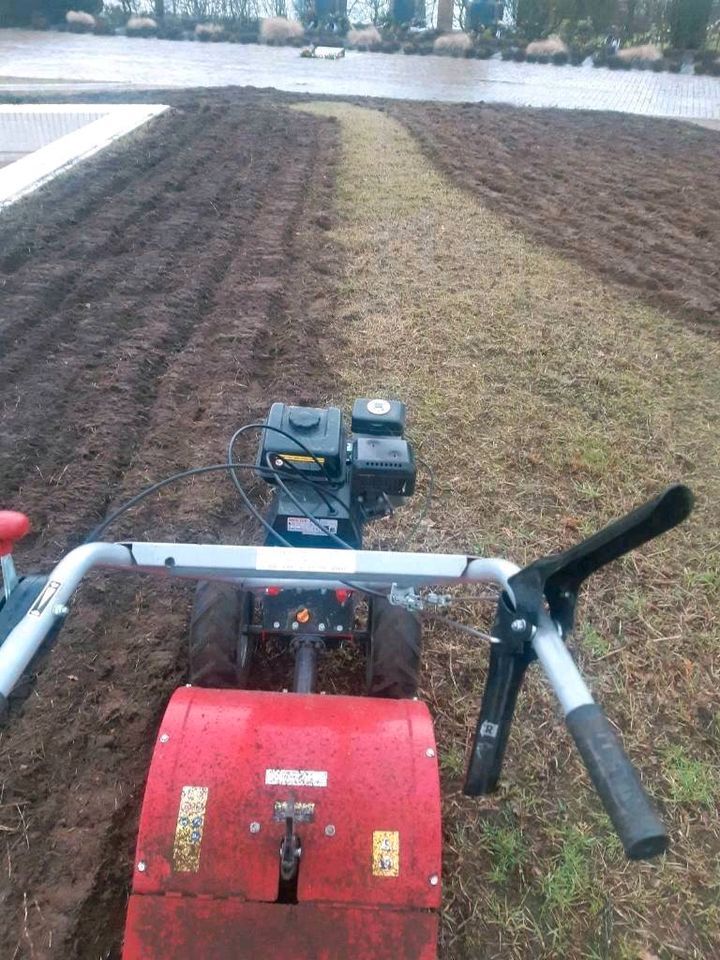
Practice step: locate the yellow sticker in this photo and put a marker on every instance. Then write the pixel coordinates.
(189, 829)
(301, 458)
(386, 853)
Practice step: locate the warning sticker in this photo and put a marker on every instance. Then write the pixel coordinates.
(296, 778)
(297, 458)
(299, 560)
(386, 853)
(306, 526)
(189, 829)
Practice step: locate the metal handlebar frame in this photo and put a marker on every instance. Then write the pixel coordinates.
(254, 567)
(533, 612)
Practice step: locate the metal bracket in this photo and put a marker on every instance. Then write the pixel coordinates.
(407, 598)
(9, 575)
(513, 629)
(299, 811)
(307, 640)
(290, 846)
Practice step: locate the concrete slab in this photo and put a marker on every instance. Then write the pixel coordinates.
(46, 139)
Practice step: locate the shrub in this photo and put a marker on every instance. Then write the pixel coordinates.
(209, 32)
(689, 22)
(114, 16)
(171, 29)
(615, 63)
(141, 27)
(532, 17)
(452, 44)
(280, 30)
(103, 27)
(80, 22)
(647, 53)
(363, 37)
(546, 48)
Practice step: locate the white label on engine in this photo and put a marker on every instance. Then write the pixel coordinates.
(305, 525)
(296, 778)
(300, 560)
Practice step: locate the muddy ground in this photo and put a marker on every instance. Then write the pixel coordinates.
(151, 303)
(633, 198)
(165, 293)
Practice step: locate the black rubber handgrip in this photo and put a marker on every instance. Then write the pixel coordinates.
(633, 815)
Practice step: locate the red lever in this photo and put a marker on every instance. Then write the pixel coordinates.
(13, 527)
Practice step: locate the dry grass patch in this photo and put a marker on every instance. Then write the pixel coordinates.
(141, 23)
(209, 31)
(452, 44)
(647, 52)
(280, 30)
(547, 48)
(548, 402)
(363, 37)
(79, 21)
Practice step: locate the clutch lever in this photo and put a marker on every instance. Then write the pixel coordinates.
(558, 578)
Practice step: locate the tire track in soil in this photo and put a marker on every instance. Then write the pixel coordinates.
(245, 315)
(120, 246)
(123, 251)
(31, 227)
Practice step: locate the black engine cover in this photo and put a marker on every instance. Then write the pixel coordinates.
(318, 430)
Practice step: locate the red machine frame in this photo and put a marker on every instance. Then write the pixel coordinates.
(361, 775)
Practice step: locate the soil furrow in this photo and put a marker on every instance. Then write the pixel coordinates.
(230, 325)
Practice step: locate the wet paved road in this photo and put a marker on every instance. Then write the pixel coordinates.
(55, 61)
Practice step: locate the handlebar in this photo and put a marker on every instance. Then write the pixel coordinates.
(250, 567)
(535, 611)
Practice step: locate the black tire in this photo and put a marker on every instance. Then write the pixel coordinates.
(221, 648)
(393, 662)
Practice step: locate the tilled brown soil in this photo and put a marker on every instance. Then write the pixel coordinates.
(165, 293)
(150, 303)
(633, 198)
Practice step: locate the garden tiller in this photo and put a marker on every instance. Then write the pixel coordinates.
(296, 824)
